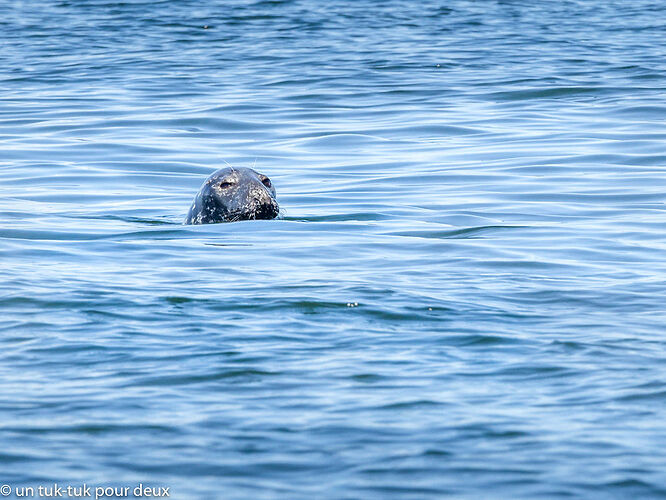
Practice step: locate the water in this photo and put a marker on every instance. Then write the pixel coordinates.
(464, 297)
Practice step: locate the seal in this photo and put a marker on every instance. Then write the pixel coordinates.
(232, 194)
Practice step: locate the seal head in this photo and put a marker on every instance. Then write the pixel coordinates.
(232, 194)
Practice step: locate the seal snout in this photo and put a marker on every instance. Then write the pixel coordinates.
(263, 204)
(267, 210)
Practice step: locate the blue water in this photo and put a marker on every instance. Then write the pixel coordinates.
(464, 296)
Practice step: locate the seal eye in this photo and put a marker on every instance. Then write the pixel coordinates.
(266, 181)
(225, 185)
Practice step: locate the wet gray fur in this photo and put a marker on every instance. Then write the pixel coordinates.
(232, 194)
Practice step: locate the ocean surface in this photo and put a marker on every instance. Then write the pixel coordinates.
(464, 296)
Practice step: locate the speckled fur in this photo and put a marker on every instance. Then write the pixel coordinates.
(233, 194)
